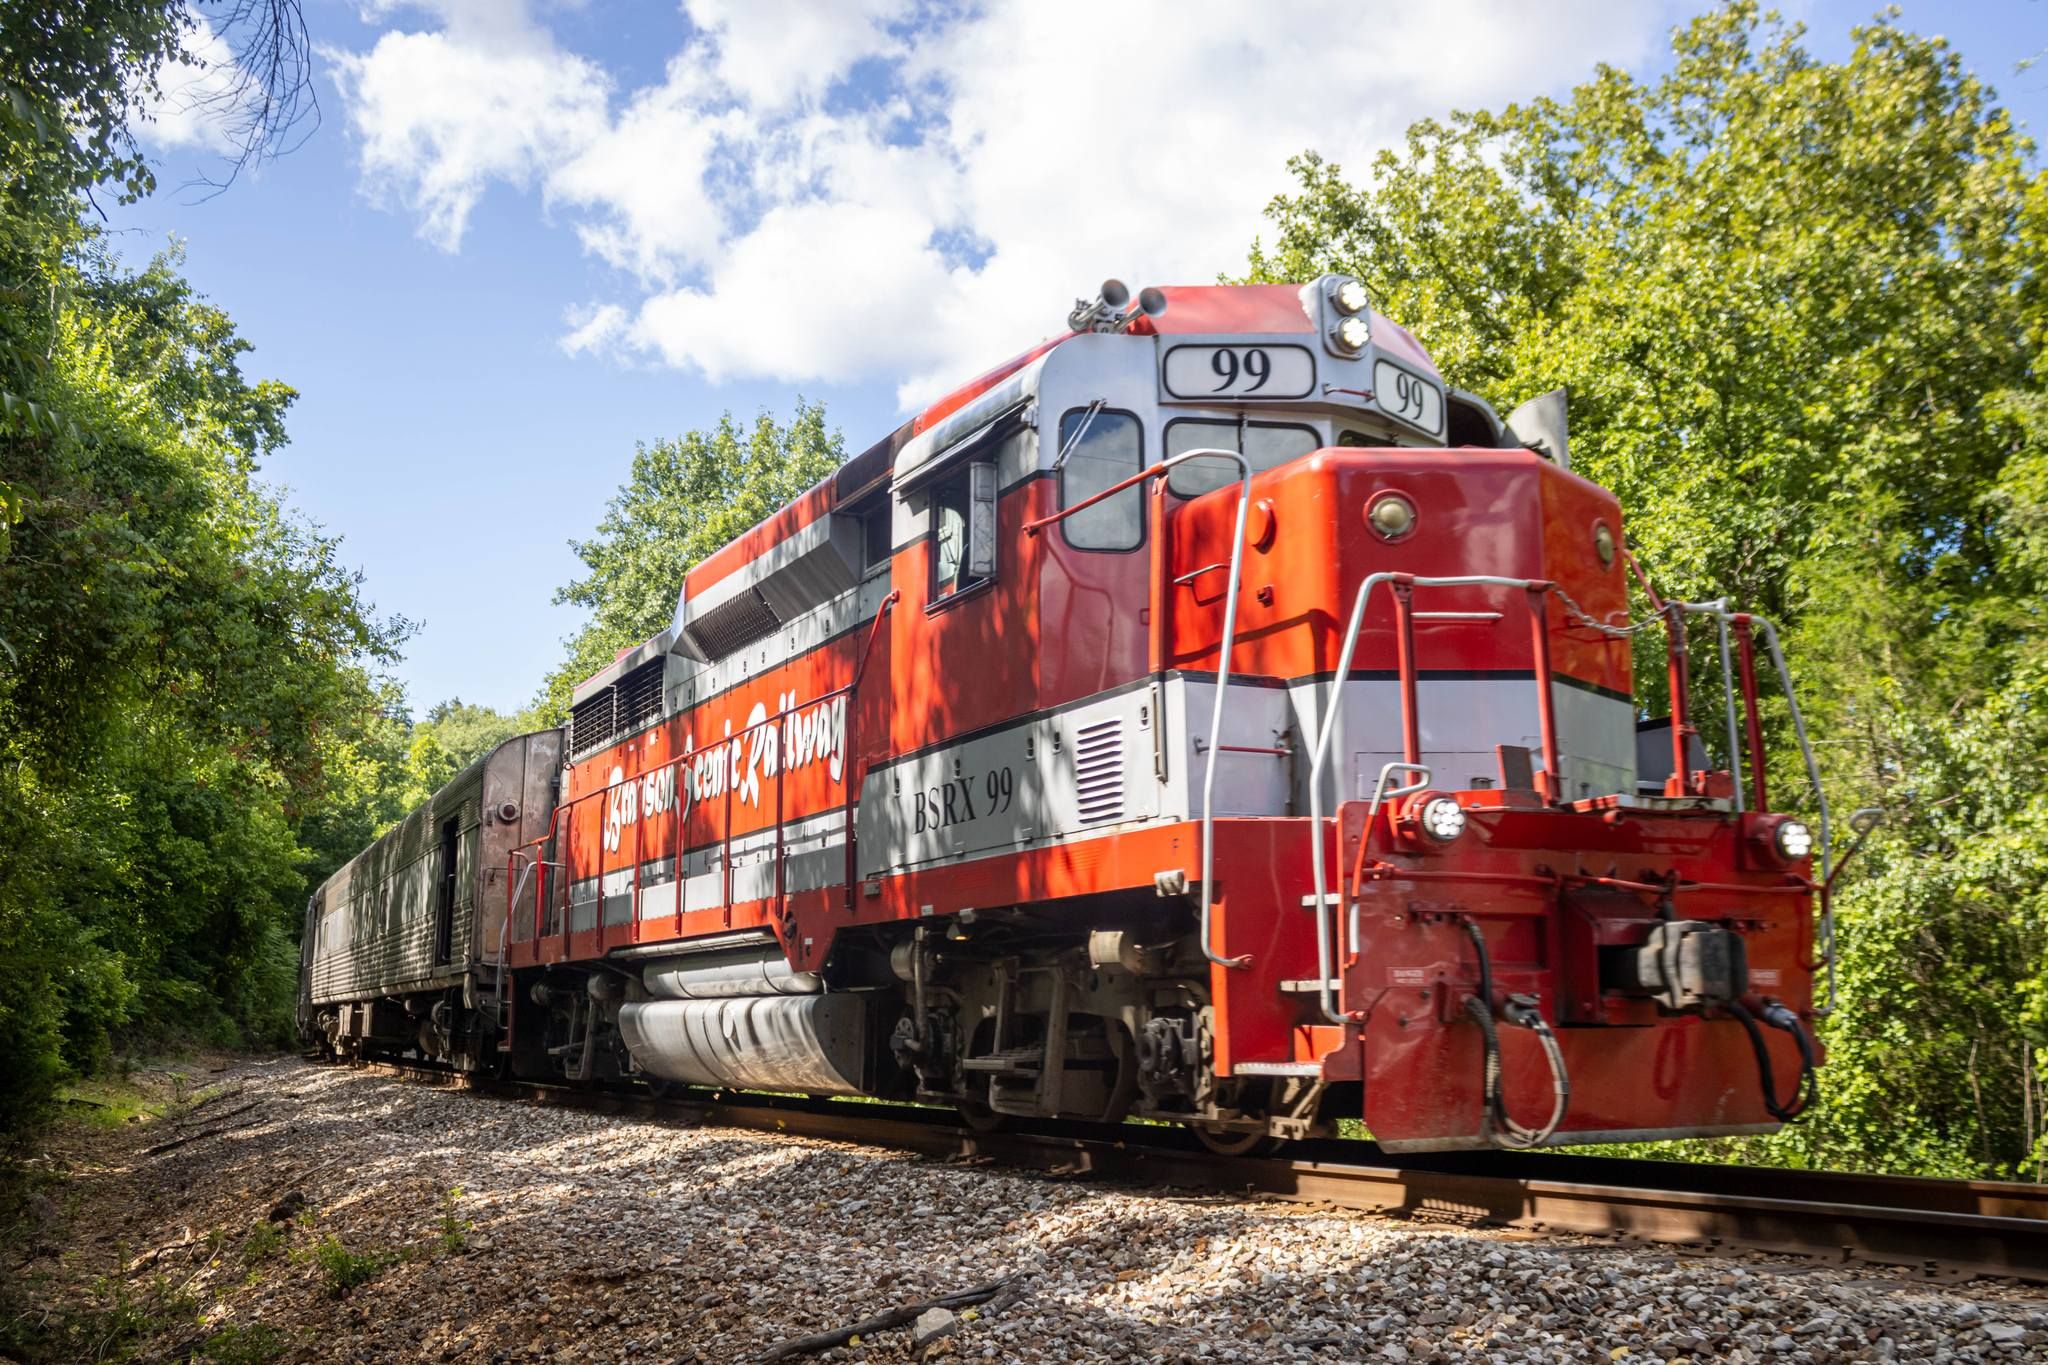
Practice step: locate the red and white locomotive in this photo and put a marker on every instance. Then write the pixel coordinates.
(1206, 716)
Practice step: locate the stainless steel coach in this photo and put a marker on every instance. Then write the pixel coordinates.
(403, 943)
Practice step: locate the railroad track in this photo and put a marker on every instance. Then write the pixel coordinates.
(1940, 1229)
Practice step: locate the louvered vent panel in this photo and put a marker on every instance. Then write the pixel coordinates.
(639, 696)
(591, 723)
(627, 705)
(733, 625)
(1099, 770)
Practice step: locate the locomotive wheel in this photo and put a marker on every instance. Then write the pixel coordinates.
(980, 1118)
(1251, 1100)
(974, 1111)
(1229, 1142)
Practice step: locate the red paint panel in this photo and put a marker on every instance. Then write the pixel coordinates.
(1248, 309)
(1508, 513)
(971, 660)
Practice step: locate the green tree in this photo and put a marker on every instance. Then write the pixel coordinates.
(453, 735)
(1797, 307)
(187, 673)
(684, 499)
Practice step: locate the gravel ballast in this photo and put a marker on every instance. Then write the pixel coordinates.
(579, 1236)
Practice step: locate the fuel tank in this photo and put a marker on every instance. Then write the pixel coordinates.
(748, 1022)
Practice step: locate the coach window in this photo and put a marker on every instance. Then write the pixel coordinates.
(1264, 445)
(1098, 449)
(964, 530)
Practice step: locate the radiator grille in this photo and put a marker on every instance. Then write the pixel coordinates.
(619, 710)
(1099, 770)
(733, 625)
(639, 696)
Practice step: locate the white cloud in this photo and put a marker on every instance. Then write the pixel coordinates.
(772, 53)
(487, 98)
(594, 329)
(930, 195)
(193, 106)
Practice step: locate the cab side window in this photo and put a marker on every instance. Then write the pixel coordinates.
(1102, 448)
(963, 522)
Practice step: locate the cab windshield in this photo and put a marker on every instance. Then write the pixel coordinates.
(1265, 445)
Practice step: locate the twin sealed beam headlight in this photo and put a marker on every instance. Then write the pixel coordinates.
(1793, 840)
(1351, 334)
(1780, 839)
(1441, 818)
(1431, 819)
(1341, 307)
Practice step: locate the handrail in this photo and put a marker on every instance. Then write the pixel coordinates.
(1820, 798)
(1244, 502)
(1325, 955)
(1718, 609)
(1325, 930)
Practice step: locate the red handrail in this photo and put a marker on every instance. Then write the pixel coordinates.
(1753, 726)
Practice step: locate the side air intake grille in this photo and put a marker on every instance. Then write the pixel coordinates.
(639, 695)
(733, 625)
(1099, 770)
(627, 705)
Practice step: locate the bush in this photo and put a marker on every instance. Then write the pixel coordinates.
(343, 1270)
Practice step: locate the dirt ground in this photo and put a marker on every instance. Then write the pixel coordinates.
(255, 1210)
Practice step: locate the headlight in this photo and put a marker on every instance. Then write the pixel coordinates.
(1350, 297)
(1792, 839)
(1351, 334)
(1441, 818)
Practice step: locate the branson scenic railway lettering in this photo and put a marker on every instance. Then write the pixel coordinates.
(745, 763)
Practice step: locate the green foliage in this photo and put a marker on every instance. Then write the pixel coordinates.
(187, 660)
(454, 1235)
(341, 1270)
(264, 1241)
(81, 69)
(683, 500)
(1778, 289)
(453, 735)
(255, 1343)
(190, 725)
(112, 1324)
(1799, 307)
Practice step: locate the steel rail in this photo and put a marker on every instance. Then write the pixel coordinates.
(1939, 1229)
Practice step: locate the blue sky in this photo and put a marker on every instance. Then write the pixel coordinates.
(526, 236)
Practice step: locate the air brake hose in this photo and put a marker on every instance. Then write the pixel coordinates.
(1521, 1010)
(1495, 1111)
(1779, 1017)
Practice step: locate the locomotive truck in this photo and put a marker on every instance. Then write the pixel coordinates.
(1207, 716)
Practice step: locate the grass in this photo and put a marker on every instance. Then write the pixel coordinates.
(454, 1227)
(110, 1326)
(255, 1343)
(264, 1241)
(342, 1270)
(109, 1102)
